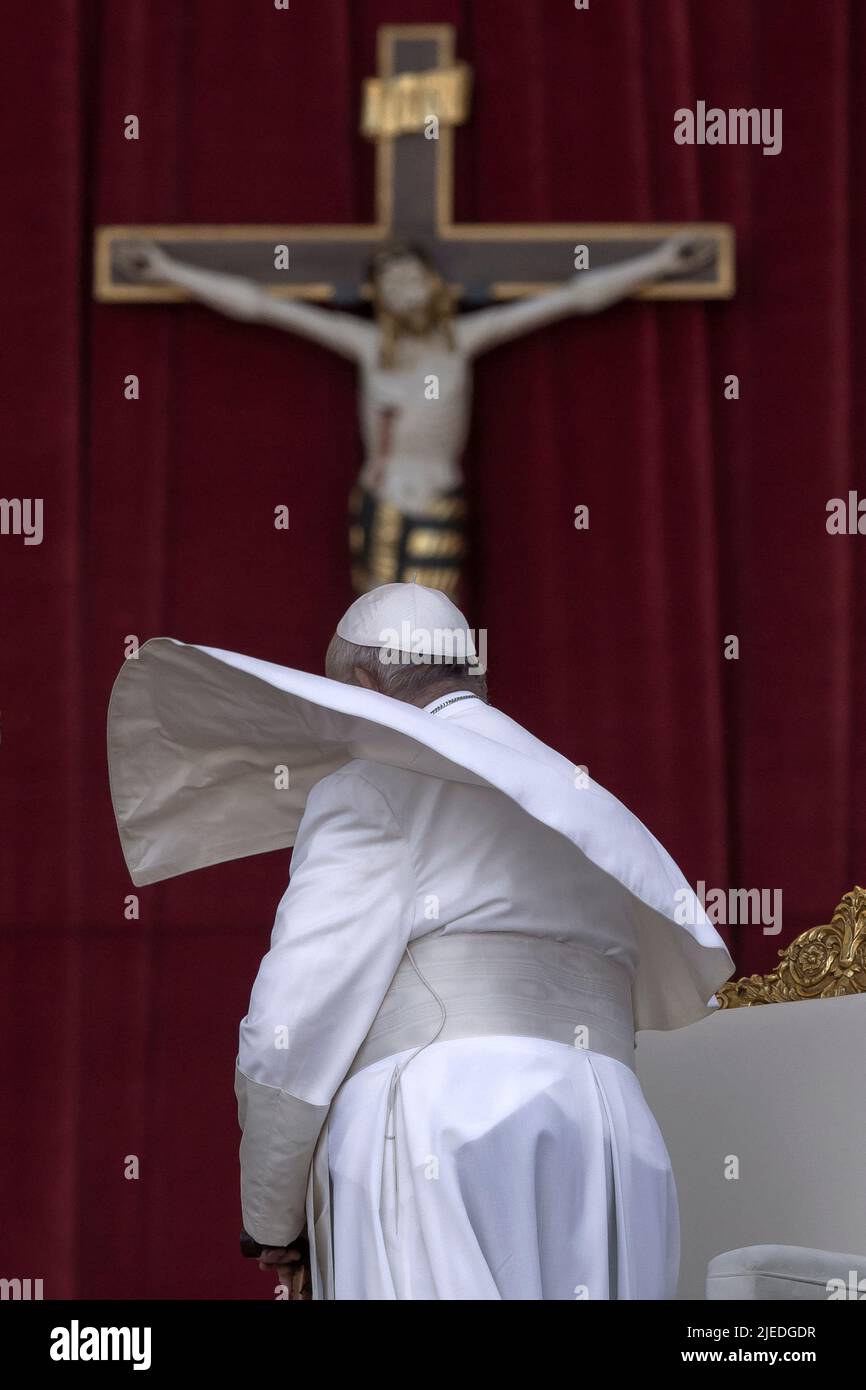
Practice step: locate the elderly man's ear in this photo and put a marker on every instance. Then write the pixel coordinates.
(364, 678)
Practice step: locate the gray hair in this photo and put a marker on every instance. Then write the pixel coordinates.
(416, 682)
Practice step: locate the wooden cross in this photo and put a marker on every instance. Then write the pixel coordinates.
(414, 202)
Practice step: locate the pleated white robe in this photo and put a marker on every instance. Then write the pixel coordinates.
(518, 1168)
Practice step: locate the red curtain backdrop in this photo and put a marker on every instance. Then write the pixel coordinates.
(707, 517)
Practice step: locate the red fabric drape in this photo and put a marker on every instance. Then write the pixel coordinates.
(707, 517)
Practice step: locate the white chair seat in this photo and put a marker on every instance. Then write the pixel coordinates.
(786, 1273)
(764, 1114)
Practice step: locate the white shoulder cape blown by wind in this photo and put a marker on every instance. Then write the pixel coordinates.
(197, 737)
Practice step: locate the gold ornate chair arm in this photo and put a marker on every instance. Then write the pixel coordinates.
(819, 964)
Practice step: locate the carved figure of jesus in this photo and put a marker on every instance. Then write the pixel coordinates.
(414, 359)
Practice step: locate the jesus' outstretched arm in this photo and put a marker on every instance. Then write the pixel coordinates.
(243, 299)
(587, 292)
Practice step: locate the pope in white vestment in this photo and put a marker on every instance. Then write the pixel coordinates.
(435, 1075)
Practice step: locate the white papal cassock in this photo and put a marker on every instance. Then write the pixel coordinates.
(435, 1073)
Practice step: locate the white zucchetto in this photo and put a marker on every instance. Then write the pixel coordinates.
(411, 619)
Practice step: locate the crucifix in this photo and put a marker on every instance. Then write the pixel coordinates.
(416, 266)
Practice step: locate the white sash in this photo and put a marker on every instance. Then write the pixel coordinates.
(463, 985)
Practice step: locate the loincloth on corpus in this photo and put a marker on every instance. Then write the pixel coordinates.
(390, 546)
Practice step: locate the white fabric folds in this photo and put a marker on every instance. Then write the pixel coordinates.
(212, 755)
(519, 1170)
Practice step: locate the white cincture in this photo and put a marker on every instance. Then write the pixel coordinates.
(390, 1129)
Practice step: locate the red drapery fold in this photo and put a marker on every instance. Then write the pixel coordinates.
(707, 517)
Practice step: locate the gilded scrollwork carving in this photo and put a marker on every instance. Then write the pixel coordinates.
(821, 963)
